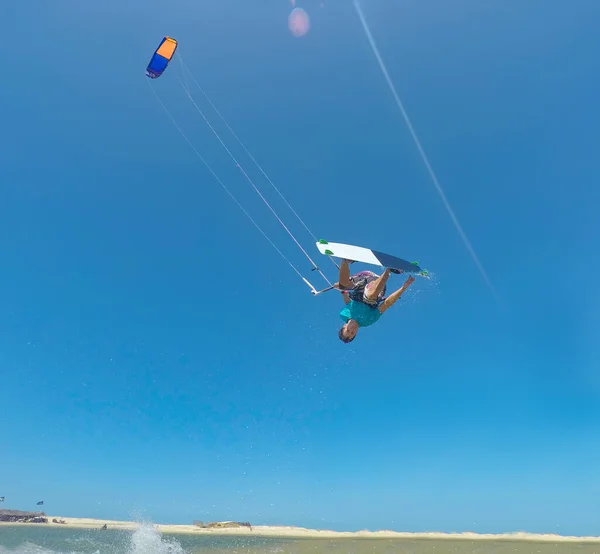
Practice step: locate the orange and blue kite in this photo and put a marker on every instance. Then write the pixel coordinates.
(161, 57)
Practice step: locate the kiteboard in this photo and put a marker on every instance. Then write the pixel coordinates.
(368, 256)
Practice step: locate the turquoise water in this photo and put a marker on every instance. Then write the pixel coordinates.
(146, 540)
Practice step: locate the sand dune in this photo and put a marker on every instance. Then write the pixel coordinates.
(301, 532)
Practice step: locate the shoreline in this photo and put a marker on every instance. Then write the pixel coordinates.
(298, 532)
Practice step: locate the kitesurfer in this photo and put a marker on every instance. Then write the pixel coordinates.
(364, 296)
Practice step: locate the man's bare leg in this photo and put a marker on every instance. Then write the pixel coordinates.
(377, 286)
(344, 281)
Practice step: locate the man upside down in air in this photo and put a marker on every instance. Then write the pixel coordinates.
(364, 295)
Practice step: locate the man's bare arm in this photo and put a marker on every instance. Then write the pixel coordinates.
(395, 296)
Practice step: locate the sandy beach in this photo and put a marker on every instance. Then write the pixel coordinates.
(298, 532)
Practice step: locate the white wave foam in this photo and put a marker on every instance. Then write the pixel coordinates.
(148, 540)
(145, 540)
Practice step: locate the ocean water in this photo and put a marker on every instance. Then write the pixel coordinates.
(147, 540)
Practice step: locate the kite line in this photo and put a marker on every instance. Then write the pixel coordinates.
(424, 157)
(158, 63)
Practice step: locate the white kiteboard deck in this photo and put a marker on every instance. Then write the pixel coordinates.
(367, 256)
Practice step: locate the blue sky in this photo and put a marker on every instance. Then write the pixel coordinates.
(157, 357)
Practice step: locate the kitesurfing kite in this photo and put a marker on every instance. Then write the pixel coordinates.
(161, 57)
(364, 292)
